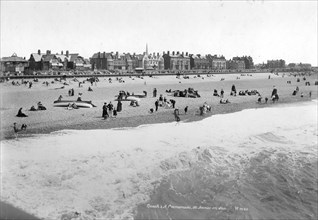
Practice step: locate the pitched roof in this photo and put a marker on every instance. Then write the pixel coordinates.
(48, 58)
(107, 55)
(61, 57)
(13, 58)
(37, 57)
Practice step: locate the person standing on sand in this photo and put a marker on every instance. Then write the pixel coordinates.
(176, 115)
(154, 92)
(274, 92)
(105, 113)
(233, 90)
(185, 110)
(157, 104)
(110, 108)
(119, 106)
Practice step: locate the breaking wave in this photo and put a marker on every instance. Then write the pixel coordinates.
(254, 164)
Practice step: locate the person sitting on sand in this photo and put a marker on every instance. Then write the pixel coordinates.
(224, 101)
(301, 95)
(16, 130)
(266, 100)
(79, 97)
(134, 104)
(21, 114)
(41, 106)
(215, 93)
(74, 106)
(90, 89)
(69, 107)
(259, 100)
(222, 93)
(60, 98)
(32, 108)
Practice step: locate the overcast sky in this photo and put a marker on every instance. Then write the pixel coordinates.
(264, 30)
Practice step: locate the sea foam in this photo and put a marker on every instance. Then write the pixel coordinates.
(107, 173)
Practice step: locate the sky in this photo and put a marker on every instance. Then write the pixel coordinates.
(264, 30)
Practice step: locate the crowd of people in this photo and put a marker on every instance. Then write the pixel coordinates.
(110, 110)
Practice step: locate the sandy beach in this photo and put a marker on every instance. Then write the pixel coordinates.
(73, 164)
(55, 118)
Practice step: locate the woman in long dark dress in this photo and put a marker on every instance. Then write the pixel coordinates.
(119, 106)
(21, 114)
(105, 112)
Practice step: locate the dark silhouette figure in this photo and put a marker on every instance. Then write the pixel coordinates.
(157, 104)
(176, 115)
(154, 92)
(119, 106)
(21, 114)
(173, 102)
(185, 110)
(105, 111)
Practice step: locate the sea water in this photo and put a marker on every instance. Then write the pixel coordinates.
(253, 164)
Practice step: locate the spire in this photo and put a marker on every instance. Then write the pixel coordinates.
(147, 49)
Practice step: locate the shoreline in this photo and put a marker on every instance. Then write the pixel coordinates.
(56, 119)
(158, 118)
(128, 175)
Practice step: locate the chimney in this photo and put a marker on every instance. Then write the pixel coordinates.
(134, 54)
(186, 53)
(98, 54)
(104, 55)
(39, 52)
(172, 52)
(62, 52)
(117, 54)
(154, 54)
(67, 53)
(47, 52)
(182, 53)
(178, 53)
(157, 54)
(168, 52)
